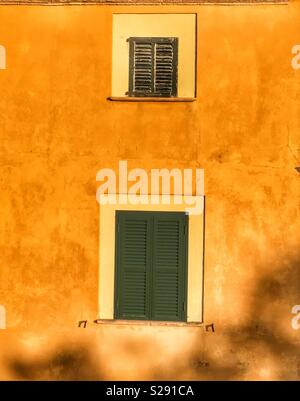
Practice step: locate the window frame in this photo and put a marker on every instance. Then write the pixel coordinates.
(196, 250)
(153, 40)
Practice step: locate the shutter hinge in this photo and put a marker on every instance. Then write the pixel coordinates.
(118, 227)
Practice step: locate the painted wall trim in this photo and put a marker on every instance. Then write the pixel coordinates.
(143, 2)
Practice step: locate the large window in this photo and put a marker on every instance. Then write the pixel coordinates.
(151, 260)
(151, 265)
(153, 67)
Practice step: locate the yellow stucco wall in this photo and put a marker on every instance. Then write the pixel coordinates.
(58, 129)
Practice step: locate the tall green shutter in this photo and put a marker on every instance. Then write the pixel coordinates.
(133, 260)
(151, 265)
(168, 267)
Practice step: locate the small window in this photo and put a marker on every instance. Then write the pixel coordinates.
(153, 67)
(151, 266)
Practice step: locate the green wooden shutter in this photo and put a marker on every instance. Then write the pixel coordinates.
(133, 267)
(151, 266)
(141, 69)
(165, 67)
(169, 267)
(153, 65)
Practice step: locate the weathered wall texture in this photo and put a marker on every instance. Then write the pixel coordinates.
(135, 2)
(57, 130)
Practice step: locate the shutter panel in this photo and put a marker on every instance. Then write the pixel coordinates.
(133, 269)
(143, 68)
(165, 78)
(169, 267)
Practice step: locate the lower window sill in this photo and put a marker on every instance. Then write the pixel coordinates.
(148, 323)
(151, 99)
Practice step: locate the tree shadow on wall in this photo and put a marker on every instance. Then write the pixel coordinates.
(67, 363)
(265, 346)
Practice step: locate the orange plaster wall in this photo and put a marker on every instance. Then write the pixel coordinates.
(57, 129)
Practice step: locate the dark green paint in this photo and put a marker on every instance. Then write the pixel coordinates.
(151, 266)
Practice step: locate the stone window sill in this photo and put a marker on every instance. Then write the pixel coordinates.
(151, 99)
(148, 323)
